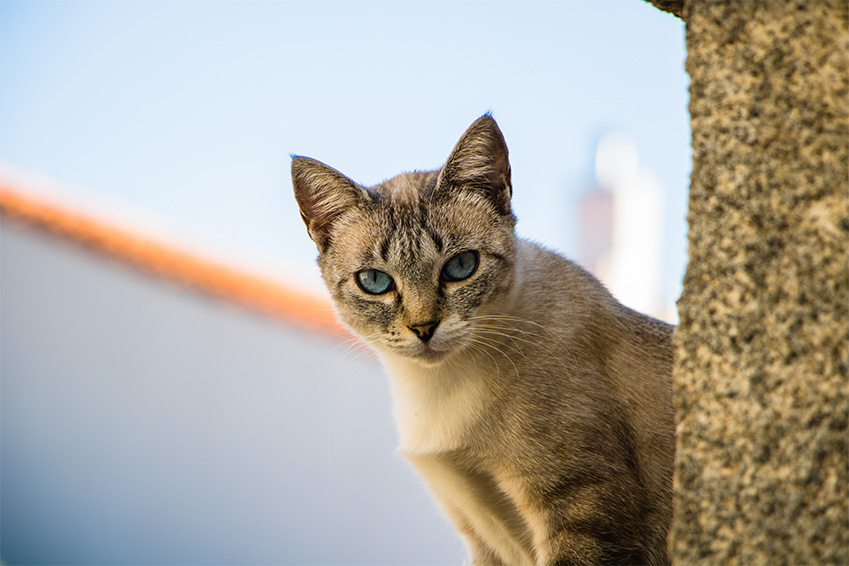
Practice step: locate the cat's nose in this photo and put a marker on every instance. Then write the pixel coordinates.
(424, 331)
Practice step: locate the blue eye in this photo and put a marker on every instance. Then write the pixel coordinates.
(461, 266)
(374, 282)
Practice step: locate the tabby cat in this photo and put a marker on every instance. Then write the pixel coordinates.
(536, 407)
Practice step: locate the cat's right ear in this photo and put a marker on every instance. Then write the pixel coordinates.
(323, 193)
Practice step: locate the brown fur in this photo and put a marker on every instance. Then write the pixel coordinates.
(539, 410)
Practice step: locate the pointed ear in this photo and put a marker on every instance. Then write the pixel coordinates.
(323, 193)
(479, 163)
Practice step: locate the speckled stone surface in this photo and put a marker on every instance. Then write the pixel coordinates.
(762, 374)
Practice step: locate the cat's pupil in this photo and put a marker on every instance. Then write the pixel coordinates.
(461, 266)
(374, 282)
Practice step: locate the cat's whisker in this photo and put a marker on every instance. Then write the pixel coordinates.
(512, 341)
(549, 334)
(347, 346)
(509, 331)
(516, 348)
(514, 319)
(355, 357)
(479, 348)
(536, 341)
(488, 344)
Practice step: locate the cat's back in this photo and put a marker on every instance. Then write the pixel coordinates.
(585, 333)
(601, 374)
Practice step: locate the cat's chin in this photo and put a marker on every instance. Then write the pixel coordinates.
(431, 357)
(424, 355)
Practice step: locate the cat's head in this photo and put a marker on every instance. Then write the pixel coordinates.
(410, 262)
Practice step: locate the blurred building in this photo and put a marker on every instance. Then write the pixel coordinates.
(621, 226)
(157, 407)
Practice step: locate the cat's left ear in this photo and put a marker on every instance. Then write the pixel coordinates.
(479, 163)
(323, 193)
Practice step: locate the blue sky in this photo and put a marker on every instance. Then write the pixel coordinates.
(188, 110)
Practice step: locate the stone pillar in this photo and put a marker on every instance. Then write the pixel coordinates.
(762, 369)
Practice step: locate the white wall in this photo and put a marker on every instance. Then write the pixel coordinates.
(144, 423)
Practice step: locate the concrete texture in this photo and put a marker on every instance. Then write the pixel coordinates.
(762, 374)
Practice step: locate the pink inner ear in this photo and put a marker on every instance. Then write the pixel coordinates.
(319, 215)
(500, 176)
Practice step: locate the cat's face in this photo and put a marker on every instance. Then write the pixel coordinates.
(411, 262)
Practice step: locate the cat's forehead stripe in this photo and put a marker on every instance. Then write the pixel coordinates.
(437, 239)
(412, 235)
(384, 248)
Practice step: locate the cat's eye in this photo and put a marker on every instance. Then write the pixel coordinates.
(461, 266)
(374, 282)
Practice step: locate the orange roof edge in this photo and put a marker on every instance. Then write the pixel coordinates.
(215, 278)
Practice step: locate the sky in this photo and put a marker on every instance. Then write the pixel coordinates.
(185, 112)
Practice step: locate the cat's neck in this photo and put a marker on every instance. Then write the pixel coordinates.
(436, 407)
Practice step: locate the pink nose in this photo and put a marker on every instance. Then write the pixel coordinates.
(424, 331)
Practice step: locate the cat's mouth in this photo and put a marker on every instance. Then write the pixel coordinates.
(448, 340)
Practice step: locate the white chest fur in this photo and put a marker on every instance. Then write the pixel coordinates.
(436, 407)
(481, 506)
(437, 412)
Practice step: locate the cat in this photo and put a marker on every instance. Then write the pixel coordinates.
(537, 408)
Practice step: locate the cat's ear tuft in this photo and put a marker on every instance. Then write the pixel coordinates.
(323, 193)
(480, 163)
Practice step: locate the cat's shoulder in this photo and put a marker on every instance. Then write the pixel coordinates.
(546, 270)
(555, 287)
